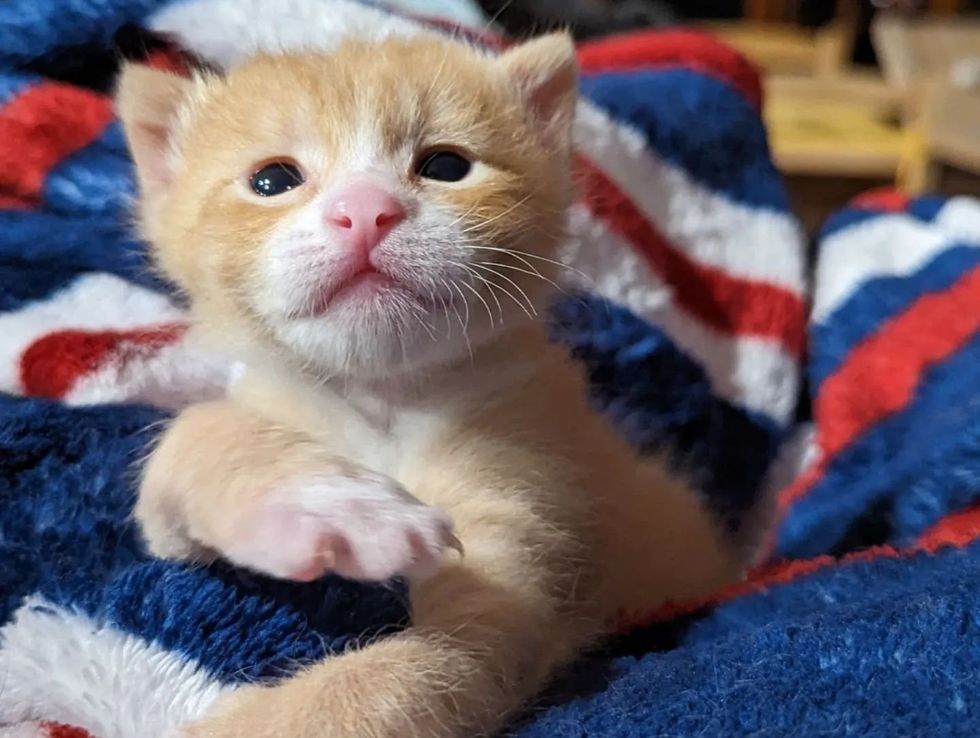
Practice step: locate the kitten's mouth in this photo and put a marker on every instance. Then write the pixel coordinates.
(364, 283)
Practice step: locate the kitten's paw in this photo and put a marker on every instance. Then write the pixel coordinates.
(364, 527)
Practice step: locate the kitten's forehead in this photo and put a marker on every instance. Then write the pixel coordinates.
(367, 98)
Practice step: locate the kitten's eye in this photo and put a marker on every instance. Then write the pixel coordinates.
(276, 178)
(443, 166)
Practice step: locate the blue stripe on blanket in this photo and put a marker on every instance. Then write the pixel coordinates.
(927, 208)
(98, 178)
(11, 84)
(924, 209)
(32, 29)
(697, 123)
(40, 245)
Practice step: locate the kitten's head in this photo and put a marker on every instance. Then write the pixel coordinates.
(377, 209)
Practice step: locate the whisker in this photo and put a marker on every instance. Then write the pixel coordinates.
(517, 253)
(534, 273)
(473, 273)
(490, 285)
(464, 326)
(498, 216)
(449, 286)
(465, 215)
(486, 304)
(530, 310)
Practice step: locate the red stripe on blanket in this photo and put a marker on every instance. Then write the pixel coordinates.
(680, 48)
(956, 531)
(883, 199)
(42, 126)
(57, 730)
(881, 374)
(728, 304)
(51, 366)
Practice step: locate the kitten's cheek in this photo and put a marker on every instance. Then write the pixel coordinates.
(281, 289)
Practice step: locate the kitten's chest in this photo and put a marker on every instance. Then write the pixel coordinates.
(383, 437)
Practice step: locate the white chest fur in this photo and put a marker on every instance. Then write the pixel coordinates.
(378, 427)
(381, 434)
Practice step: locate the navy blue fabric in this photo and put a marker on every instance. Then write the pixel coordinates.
(926, 208)
(33, 29)
(868, 650)
(97, 179)
(43, 248)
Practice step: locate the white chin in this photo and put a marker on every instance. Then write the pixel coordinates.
(370, 344)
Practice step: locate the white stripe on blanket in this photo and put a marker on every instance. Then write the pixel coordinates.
(61, 666)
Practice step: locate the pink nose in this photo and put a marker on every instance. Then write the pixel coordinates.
(363, 214)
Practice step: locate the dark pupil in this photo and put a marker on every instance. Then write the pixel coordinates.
(445, 166)
(275, 179)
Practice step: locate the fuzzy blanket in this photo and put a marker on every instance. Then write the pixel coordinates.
(863, 620)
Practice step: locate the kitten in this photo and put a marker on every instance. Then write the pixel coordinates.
(373, 232)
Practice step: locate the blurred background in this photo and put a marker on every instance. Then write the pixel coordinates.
(860, 93)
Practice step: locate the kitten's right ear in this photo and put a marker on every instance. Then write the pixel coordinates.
(149, 102)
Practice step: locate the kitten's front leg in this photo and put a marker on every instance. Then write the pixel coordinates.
(489, 629)
(224, 481)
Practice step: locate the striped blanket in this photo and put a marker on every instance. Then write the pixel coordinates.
(862, 618)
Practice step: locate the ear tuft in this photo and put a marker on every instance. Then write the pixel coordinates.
(149, 102)
(545, 69)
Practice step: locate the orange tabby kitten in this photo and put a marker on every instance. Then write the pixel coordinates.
(372, 233)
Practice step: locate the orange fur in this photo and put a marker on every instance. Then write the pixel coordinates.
(562, 525)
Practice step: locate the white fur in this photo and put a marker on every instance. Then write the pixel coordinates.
(61, 666)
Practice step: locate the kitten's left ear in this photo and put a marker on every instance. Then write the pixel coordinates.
(545, 69)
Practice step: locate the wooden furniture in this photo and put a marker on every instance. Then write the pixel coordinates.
(787, 49)
(835, 131)
(834, 138)
(846, 127)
